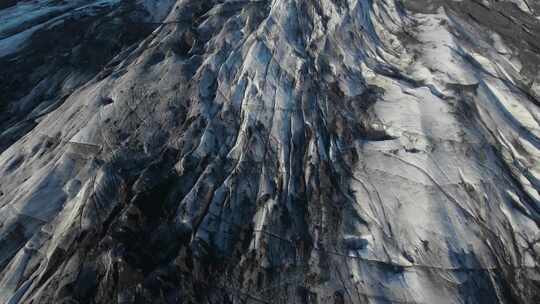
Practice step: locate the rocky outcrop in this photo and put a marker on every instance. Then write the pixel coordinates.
(276, 151)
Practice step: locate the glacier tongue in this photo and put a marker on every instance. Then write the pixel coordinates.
(334, 151)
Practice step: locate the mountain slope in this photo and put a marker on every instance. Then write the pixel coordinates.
(276, 151)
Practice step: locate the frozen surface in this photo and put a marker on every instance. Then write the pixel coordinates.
(270, 152)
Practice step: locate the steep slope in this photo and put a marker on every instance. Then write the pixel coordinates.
(275, 151)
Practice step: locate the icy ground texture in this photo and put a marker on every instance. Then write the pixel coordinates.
(277, 151)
